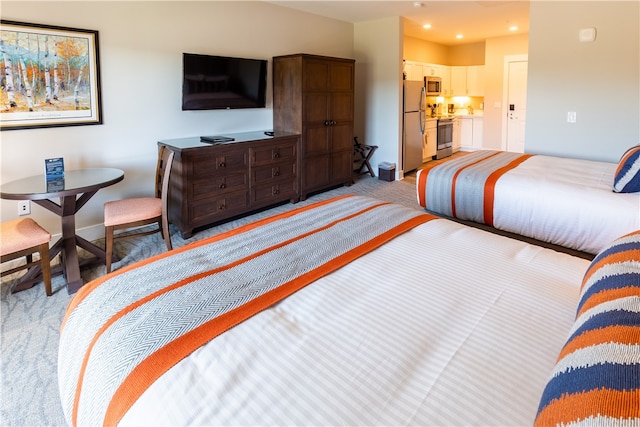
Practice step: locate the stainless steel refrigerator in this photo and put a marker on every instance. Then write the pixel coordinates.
(413, 126)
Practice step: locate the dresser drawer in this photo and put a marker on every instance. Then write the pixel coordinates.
(274, 153)
(217, 208)
(276, 172)
(273, 193)
(220, 184)
(214, 165)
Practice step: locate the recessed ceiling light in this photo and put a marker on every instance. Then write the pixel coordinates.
(426, 26)
(513, 28)
(459, 36)
(417, 4)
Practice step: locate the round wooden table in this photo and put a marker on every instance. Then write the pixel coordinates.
(83, 183)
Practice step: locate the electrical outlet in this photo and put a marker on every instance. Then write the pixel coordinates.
(571, 117)
(24, 208)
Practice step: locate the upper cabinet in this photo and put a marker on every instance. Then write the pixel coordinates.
(413, 70)
(467, 81)
(456, 80)
(475, 80)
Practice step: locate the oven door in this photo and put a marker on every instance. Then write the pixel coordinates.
(444, 146)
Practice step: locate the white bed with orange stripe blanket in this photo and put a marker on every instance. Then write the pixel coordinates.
(349, 311)
(567, 202)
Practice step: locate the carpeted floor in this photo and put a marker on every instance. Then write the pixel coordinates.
(31, 320)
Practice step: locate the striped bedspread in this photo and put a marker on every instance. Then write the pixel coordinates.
(564, 201)
(123, 331)
(465, 187)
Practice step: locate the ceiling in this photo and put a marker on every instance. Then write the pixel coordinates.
(476, 20)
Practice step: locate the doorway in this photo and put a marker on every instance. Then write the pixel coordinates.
(515, 103)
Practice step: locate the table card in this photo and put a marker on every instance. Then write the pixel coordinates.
(54, 168)
(54, 173)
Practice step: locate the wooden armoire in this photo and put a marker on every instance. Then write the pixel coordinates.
(314, 96)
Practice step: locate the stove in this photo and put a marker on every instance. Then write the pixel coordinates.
(444, 147)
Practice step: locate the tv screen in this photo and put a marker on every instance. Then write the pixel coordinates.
(220, 82)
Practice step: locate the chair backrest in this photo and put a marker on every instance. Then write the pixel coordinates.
(163, 173)
(163, 170)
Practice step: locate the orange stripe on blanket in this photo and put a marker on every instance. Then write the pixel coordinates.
(579, 406)
(156, 364)
(85, 290)
(490, 187)
(610, 334)
(422, 184)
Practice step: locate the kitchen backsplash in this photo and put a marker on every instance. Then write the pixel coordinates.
(461, 104)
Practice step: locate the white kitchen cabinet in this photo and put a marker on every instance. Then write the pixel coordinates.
(466, 132)
(471, 133)
(414, 70)
(430, 70)
(458, 81)
(477, 132)
(430, 140)
(467, 81)
(475, 80)
(444, 73)
(455, 144)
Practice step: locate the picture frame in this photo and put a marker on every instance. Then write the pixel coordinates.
(50, 76)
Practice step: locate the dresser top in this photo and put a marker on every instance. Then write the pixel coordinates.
(195, 142)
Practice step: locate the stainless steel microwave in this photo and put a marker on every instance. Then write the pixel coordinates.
(433, 85)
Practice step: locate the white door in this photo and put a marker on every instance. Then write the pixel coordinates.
(516, 104)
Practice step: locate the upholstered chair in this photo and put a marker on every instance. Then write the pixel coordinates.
(23, 237)
(137, 212)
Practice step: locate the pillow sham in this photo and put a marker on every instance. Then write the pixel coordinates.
(596, 380)
(627, 176)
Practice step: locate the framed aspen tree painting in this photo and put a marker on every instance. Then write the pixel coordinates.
(50, 76)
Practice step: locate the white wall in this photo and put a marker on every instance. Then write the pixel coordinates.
(600, 81)
(141, 46)
(378, 54)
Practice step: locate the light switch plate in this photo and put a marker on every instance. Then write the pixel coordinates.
(587, 34)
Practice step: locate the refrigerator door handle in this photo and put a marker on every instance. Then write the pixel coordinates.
(422, 110)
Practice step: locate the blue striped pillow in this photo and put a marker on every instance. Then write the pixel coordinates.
(627, 176)
(596, 379)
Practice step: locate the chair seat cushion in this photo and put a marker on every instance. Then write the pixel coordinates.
(20, 234)
(126, 211)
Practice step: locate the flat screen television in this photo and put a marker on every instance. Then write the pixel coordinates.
(221, 82)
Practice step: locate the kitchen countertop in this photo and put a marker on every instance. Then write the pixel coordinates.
(476, 114)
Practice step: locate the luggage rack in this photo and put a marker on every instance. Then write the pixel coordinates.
(362, 156)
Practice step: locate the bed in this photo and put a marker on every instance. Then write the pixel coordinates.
(562, 201)
(349, 311)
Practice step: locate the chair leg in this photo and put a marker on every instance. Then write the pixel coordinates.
(108, 235)
(45, 262)
(164, 230)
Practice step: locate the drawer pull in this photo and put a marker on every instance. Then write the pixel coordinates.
(275, 192)
(222, 186)
(222, 165)
(222, 207)
(276, 172)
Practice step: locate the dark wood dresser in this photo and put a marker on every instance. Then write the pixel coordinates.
(314, 96)
(214, 182)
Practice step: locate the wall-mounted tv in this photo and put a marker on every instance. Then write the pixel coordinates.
(221, 82)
